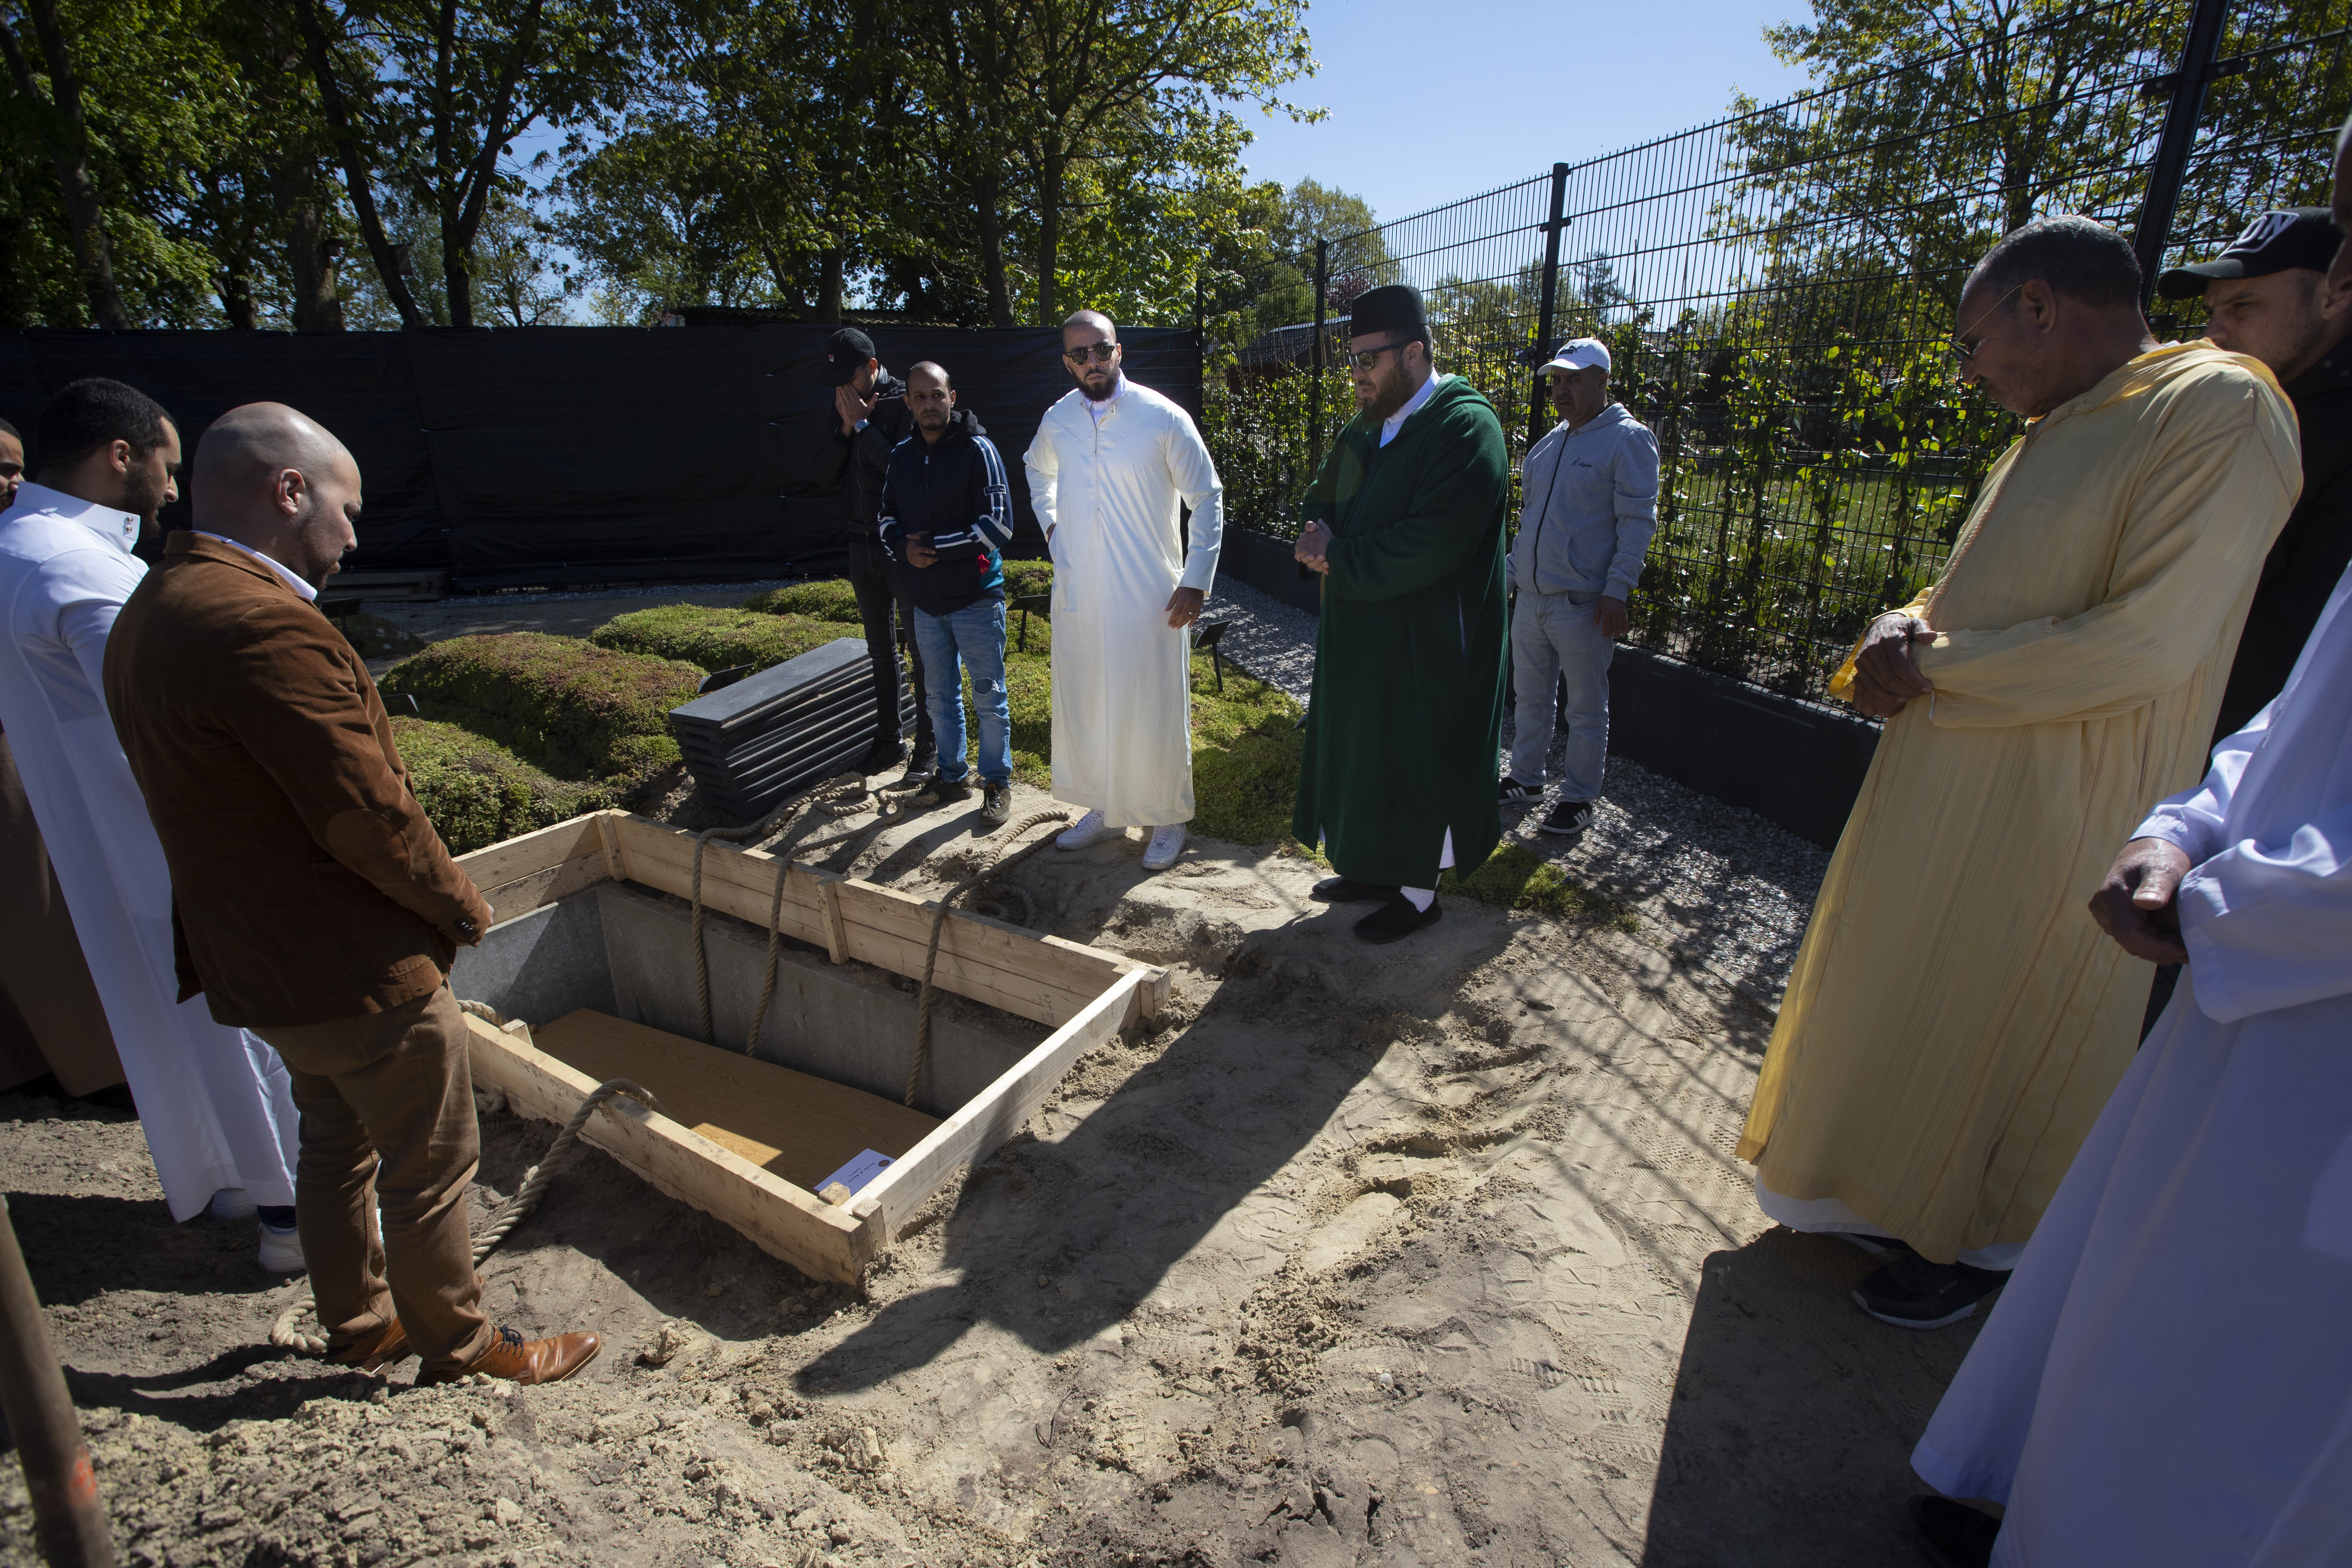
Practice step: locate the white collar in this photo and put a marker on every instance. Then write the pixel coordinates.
(1098, 408)
(1395, 422)
(290, 580)
(119, 529)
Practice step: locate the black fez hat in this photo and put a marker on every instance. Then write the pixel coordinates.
(1390, 308)
(844, 353)
(2280, 239)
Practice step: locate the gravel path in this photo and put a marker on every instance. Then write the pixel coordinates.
(1731, 889)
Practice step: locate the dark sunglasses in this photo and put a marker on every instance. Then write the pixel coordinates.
(1102, 353)
(1364, 358)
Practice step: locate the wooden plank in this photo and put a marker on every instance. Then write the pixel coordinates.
(741, 884)
(818, 1239)
(516, 858)
(837, 942)
(1042, 978)
(525, 894)
(734, 881)
(610, 833)
(996, 1113)
(788, 1123)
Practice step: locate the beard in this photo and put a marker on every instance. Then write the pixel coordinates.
(143, 498)
(1389, 393)
(1103, 394)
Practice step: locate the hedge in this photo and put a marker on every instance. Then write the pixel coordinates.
(577, 710)
(475, 792)
(829, 600)
(717, 639)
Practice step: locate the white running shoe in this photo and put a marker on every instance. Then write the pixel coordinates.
(233, 1203)
(1167, 843)
(1091, 829)
(281, 1250)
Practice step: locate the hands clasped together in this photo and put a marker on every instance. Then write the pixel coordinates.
(1885, 679)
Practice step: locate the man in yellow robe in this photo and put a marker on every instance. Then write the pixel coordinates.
(1955, 1021)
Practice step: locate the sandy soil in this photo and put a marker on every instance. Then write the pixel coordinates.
(1430, 1254)
(1434, 1254)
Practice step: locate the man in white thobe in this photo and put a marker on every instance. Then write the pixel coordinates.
(1111, 464)
(2169, 1378)
(216, 1104)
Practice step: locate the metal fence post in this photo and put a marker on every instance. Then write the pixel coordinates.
(2187, 84)
(1551, 297)
(1315, 394)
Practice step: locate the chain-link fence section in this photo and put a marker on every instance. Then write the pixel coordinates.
(1777, 290)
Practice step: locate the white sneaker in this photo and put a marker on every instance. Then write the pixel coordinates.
(1091, 829)
(281, 1251)
(1167, 843)
(233, 1203)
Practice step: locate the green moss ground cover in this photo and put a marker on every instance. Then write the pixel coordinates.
(827, 601)
(715, 639)
(475, 792)
(579, 713)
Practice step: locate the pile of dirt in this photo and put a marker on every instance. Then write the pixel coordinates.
(1427, 1254)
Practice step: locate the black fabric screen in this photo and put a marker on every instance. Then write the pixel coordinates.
(582, 455)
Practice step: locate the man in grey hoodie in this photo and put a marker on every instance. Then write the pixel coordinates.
(1591, 500)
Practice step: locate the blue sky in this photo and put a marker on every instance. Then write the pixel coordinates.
(1434, 101)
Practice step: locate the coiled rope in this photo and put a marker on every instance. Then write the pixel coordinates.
(512, 1212)
(996, 868)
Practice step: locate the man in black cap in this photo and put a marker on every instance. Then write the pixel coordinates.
(2268, 296)
(1405, 522)
(869, 418)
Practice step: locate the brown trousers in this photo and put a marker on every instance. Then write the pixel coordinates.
(50, 1016)
(387, 1103)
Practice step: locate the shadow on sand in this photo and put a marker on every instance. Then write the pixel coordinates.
(1789, 1440)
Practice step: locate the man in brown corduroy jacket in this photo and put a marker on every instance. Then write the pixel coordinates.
(312, 903)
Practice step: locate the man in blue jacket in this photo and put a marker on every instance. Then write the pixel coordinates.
(946, 514)
(1589, 501)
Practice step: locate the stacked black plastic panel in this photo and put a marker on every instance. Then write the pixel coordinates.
(797, 724)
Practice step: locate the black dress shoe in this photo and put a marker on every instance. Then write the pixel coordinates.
(1912, 1293)
(1396, 919)
(1960, 1535)
(886, 752)
(1348, 891)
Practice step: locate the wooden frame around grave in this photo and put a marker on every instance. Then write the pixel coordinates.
(1086, 995)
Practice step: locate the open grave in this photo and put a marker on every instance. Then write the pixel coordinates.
(809, 1124)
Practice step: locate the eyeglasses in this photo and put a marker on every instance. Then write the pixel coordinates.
(1364, 358)
(1964, 345)
(1102, 353)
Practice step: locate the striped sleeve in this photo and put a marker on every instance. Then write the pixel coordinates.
(991, 529)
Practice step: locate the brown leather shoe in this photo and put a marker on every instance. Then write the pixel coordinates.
(380, 1349)
(519, 1360)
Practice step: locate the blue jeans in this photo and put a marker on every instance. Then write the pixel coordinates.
(972, 638)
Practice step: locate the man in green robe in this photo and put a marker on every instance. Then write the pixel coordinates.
(1405, 522)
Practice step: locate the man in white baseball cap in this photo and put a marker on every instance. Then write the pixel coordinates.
(1589, 501)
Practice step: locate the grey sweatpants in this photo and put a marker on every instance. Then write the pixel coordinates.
(1552, 636)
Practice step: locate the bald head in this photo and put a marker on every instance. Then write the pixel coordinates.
(272, 478)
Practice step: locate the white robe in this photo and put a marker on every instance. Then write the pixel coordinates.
(214, 1102)
(1107, 493)
(2169, 1376)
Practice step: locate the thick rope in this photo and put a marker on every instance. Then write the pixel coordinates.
(512, 1212)
(996, 868)
(841, 792)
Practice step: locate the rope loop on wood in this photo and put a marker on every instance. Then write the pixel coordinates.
(1003, 863)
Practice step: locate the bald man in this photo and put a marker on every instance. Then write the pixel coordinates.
(312, 903)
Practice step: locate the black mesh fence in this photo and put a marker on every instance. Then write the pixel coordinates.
(1778, 288)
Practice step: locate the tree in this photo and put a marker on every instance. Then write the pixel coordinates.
(422, 98)
(1129, 85)
(66, 130)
